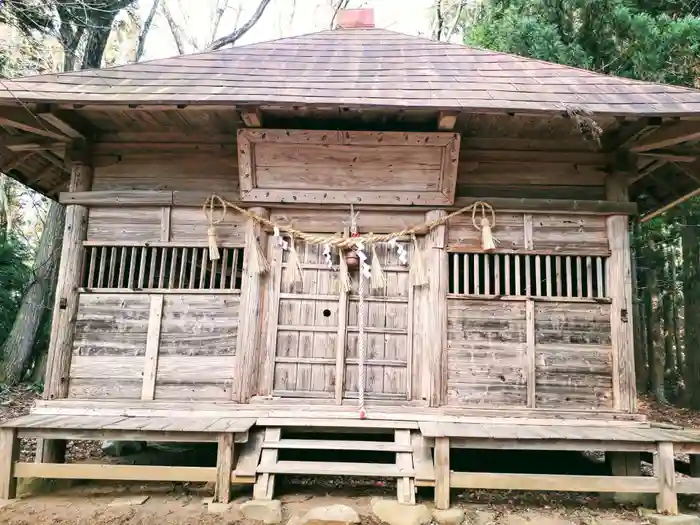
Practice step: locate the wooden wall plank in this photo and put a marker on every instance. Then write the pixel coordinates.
(191, 224)
(165, 170)
(486, 352)
(113, 224)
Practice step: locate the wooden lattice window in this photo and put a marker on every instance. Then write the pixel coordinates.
(164, 267)
(507, 274)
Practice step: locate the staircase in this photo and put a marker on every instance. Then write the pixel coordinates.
(412, 464)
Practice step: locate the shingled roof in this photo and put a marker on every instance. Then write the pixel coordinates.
(358, 67)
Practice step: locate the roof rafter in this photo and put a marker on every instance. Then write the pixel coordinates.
(24, 119)
(668, 134)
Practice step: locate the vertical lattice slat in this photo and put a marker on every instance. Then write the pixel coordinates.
(224, 269)
(518, 285)
(599, 275)
(101, 274)
(579, 277)
(589, 277)
(477, 284)
(558, 285)
(153, 262)
(112, 267)
(528, 276)
(548, 274)
(497, 274)
(91, 267)
(132, 269)
(506, 270)
(538, 276)
(193, 269)
(466, 257)
(121, 279)
(487, 275)
(183, 267)
(569, 278)
(163, 262)
(142, 268)
(234, 269)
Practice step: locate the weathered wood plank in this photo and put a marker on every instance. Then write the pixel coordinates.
(150, 367)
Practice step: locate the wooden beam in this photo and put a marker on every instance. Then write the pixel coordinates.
(24, 119)
(118, 197)
(628, 131)
(114, 472)
(670, 157)
(28, 143)
(447, 120)
(554, 482)
(647, 170)
(60, 124)
(252, 117)
(672, 204)
(667, 135)
(16, 162)
(53, 159)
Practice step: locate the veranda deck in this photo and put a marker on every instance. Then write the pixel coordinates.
(250, 437)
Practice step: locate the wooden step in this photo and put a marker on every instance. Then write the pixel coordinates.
(323, 468)
(320, 444)
(308, 420)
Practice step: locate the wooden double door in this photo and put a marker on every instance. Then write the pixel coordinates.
(313, 335)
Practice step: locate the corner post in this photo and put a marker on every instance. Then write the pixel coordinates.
(249, 356)
(435, 346)
(65, 307)
(619, 282)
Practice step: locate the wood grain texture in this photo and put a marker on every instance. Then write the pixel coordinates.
(250, 331)
(66, 295)
(150, 366)
(419, 168)
(113, 224)
(486, 353)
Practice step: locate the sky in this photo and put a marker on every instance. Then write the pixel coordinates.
(282, 18)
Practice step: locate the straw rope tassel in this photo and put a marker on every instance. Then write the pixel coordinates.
(258, 263)
(378, 281)
(417, 272)
(488, 241)
(294, 276)
(361, 346)
(211, 230)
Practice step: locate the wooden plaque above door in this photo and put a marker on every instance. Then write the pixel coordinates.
(360, 167)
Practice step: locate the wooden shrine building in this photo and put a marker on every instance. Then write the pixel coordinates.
(420, 335)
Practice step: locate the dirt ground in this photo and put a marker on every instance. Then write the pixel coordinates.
(169, 504)
(63, 503)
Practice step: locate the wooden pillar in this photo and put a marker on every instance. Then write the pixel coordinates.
(224, 467)
(619, 283)
(249, 354)
(435, 341)
(665, 472)
(9, 454)
(442, 472)
(626, 464)
(65, 307)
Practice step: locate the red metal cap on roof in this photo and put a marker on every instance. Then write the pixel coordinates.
(354, 18)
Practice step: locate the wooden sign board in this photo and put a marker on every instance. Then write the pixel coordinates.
(368, 167)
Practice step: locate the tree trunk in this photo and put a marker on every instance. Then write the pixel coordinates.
(657, 352)
(691, 307)
(17, 349)
(675, 321)
(640, 363)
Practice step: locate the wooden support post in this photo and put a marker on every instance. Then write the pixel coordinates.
(626, 464)
(436, 335)
(9, 454)
(249, 355)
(405, 487)
(341, 337)
(66, 303)
(224, 467)
(665, 472)
(619, 284)
(442, 472)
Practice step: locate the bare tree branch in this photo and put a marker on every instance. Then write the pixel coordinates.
(238, 33)
(439, 21)
(174, 29)
(342, 4)
(218, 15)
(455, 21)
(145, 29)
